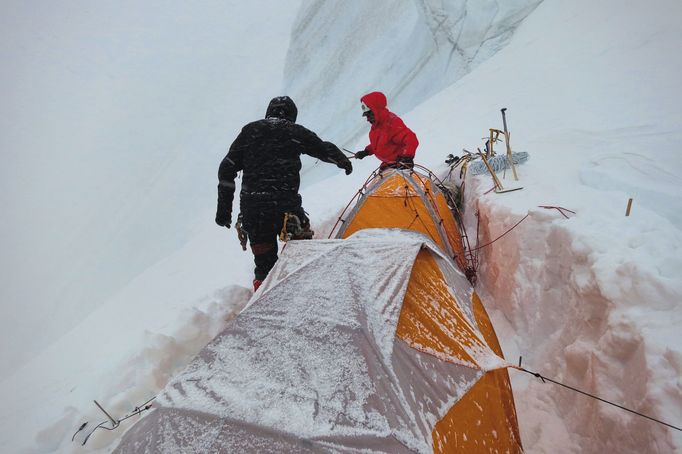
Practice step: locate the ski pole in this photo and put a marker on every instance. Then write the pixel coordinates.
(349, 152)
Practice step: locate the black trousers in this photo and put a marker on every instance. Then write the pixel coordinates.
(262, 227)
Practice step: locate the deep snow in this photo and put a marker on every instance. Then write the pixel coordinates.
(591, 88)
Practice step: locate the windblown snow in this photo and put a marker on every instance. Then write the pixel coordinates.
(116, 115)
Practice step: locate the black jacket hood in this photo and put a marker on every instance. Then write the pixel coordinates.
(282, 107)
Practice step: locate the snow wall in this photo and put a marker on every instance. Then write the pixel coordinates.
(408, 49)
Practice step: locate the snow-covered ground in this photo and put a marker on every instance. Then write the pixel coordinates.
(115, 119)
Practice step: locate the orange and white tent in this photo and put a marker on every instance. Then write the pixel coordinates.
(372, 342)
(411, 201)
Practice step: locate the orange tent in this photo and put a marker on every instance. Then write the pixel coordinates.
(407, 200)
(372, 342)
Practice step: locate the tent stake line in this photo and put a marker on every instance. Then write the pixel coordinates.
(546, 379)
(114, 422)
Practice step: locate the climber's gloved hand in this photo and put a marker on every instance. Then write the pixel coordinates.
(345, 165)
(361, 154)
(223, 220)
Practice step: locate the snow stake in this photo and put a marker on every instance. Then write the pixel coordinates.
(506, 141)
(627, 211)
(114, 423)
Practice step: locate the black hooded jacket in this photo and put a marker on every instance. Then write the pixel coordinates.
(268, 152)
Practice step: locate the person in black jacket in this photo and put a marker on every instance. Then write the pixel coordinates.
(268, 153)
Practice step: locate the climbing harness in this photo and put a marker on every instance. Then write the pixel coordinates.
(293, 229)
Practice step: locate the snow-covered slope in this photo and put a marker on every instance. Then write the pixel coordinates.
(331, 63)
(591, 90)
(113, 119)
(409, 49)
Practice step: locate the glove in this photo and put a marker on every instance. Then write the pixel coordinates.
(405, 161)
(361, 154)
(346, 165)
(223, 220)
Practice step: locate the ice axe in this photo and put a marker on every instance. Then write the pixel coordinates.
(349, 152)
(506, 141)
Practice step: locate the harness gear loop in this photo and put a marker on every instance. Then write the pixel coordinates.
(241, 233)
(293, 229)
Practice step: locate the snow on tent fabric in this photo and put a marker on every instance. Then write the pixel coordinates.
(411, 200)
(373, 343)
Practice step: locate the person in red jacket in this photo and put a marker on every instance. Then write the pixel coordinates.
(393, 143)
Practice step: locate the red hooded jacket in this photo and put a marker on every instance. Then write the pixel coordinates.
(389, 138)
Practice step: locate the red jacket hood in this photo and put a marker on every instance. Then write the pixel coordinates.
(376, 101)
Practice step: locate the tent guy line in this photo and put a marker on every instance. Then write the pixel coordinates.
(114, 423)
(547, 379)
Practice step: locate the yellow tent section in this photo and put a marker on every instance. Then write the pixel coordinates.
(432, 320)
